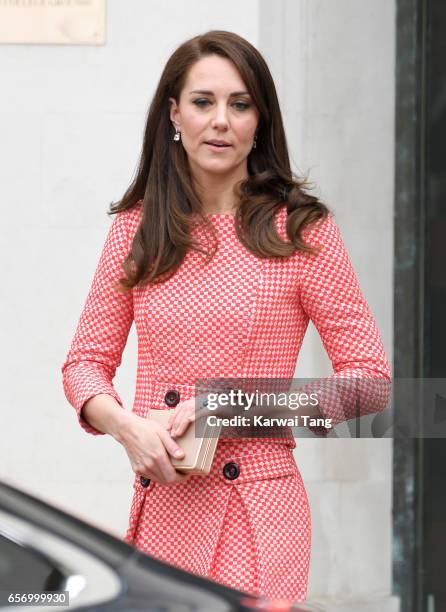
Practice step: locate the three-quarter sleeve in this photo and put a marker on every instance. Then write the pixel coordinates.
(330, 295)
(103, 327)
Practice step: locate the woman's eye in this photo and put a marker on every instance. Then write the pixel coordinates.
(241, 105)
(201, 102)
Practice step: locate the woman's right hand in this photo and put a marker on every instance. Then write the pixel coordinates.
(148, 446)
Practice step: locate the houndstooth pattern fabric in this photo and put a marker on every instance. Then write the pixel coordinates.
(236, 316)
(247, 539)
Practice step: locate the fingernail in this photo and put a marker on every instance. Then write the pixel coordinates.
(179, 453)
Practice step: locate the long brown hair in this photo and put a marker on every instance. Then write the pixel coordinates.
(163, 180)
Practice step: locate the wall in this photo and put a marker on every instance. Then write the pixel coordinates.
(71, 133)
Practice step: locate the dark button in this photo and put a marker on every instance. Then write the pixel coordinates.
(231, 471)
(172, 397)
(144, 481)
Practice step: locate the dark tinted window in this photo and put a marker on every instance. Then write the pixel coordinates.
(24, 569)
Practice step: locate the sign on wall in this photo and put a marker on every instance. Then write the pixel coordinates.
(61, 22)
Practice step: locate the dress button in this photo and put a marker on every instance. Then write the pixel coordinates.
(172, 397)
(231, 471)
(144, 481)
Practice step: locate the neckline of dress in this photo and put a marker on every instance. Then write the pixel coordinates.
(219, 219)
(222, 221)
(220, 215)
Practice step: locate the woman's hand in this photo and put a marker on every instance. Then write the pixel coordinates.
(148, 446)
(183, 416)
(191, 410)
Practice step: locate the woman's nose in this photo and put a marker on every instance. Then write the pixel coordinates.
(220, 118)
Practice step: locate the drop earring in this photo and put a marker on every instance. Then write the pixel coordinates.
(177, 136)
(254, 144)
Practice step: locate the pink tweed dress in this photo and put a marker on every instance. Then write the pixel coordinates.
(237, 316)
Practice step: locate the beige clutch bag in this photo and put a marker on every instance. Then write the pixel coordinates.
(198, 451)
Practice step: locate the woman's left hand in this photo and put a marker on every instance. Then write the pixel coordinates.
(192, 410)
(183, 416)
(185, 413)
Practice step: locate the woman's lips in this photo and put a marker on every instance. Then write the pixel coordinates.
(217, 147)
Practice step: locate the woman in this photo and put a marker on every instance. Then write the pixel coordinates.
(220, 248)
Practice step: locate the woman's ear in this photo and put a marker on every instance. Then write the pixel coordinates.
(174, 112)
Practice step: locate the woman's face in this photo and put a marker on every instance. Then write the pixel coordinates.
(215, 105)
